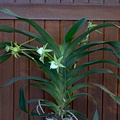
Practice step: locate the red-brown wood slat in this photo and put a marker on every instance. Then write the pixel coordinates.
(109, 105)
(66, 1)
(52, 1)
(111, 111)
(21, 68)
(58, 16)
(6, 73)
(6, 1)
(112, 1)
(118, 113)
(80, 104)
(80, 1)
(63, 11)
(52, 28)
(37, 1)
(95, 78)
(96, 1)
(22, 1)
(35, 93)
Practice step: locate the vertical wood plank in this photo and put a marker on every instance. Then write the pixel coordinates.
(80, 104)
(66, 1)
(36, 93)
(6, 1)
(21, 65)
(22, 1)
(110, 106)
(96, 1)
(118, 112)
(80, 1)
(6, 73)
(52, 27)
(64, 27)
(21, 69)
(112, 1)
(52, 1)
(37, 1)
(119, 75)
(95, 78)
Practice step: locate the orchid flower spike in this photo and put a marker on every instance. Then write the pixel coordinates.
(56, 63)
(14, 50)
(43, 52)
(91, 25)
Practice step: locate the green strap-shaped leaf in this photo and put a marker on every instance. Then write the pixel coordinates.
(82, 36)
(3, 45)
(79, 86)
(114, 44)
(45, 103)
(73, 30)
(41, 80)
(74, 57)
(47, 38)
(79, 115)
(38, 38)
(82, 66)
(73, 97)
(74, 79)
(22, 101)
(52, 74)
(56, 96)
(3, 58)
(96, 116)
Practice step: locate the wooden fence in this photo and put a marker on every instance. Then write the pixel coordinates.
(54, 16)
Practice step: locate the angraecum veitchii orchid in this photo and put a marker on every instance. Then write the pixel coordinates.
(59, 63)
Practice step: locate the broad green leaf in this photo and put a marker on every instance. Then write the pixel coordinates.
(73, 97)
(79, 86)
(38, 38)
(22, 101)
(3, 58)
(74, 79)
(79, 115)
(82, 36)
(114, 44)
(96, 116)
(82, 66)
(45, 103)
(13, 80)
(76, 27)
(19, 116)
(75, 56)
(3, 45)
(51, 91)
(7, 11)
(52, 74)
(47, 38)
(117, 99)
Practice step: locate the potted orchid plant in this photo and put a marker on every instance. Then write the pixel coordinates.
(58, 62)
